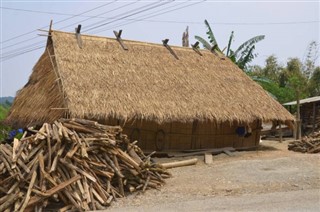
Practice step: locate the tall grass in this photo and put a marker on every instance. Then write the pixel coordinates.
(4, 130)
(3, 111)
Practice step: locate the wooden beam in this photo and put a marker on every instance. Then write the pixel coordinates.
(78, 36)
(195, 48)
(280, 132)
(50, 27)
(119, 39)
(175, 164)
(165, 43)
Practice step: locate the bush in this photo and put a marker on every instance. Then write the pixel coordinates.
(4, 130)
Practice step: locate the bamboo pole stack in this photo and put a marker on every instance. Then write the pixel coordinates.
(308, 144)
(73, 164)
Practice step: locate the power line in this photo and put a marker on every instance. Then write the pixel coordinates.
(162, 9)
(112, 10)
(157, 14)
(46, 12)
(33, 38)
(12, 55)
(126, 16)
(29, 48)
(160, 21)
(2, 59)
(20, 50)
(59, 21)
(24, 47)
(109, 11)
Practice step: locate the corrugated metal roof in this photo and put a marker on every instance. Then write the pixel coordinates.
(304, 101)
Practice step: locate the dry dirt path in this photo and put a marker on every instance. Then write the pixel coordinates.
(268, 179)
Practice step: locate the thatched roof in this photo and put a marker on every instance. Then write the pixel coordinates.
(102, 80)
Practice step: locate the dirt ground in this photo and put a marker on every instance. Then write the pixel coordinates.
(267, 175)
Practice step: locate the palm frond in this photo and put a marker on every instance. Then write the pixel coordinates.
(205, 43)
(229, 43)
(249, 43)
(223, 49)
(261, 79)
(246, 58)
(210, 34)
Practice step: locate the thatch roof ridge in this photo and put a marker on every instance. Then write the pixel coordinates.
(139, 42)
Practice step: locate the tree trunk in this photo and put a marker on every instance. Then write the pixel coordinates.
(298, 121)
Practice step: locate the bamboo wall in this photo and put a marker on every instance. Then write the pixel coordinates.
(182, 136)
(310, 116)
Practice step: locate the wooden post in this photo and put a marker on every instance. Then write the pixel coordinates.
(193, 134)
(290, 108)
(280, 133)
(298, 121)
(314, 117)
(208, 158)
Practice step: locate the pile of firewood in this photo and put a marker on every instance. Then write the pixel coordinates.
(73, 164)
(308, 144)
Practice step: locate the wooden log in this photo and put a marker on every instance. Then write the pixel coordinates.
(6, 163)
(314, 150)
(146, 184)
(35, 150)
(16, 145)
(48, 146)
(55, 160)
(8, 152)
(34, 200)
(175, 164)
(111, 163)
(27, 197)
(95, 157)
(10, 200)
(134, 155)
(93, 205)
(121, 189)
(78, 170)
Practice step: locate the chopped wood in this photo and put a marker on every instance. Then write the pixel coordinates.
(175, 164)
(308, 144)
(75, 165)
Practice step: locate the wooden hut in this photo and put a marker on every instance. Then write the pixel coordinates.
(167, 97)
(309, 113)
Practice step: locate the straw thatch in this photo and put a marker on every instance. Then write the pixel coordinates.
(101, 80)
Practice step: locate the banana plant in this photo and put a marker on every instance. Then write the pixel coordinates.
(242, 56)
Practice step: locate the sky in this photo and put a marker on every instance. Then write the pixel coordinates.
(289, 26)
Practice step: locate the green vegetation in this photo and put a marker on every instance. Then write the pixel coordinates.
(4, 130)
(3, 112)
(296, 80)
(242, 56)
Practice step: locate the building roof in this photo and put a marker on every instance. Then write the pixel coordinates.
(102, 80)
(304, 101)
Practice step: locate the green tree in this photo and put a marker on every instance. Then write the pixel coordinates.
(314, 83)
(242, 56)
(272, 69)
(298, 82)
(310, 59)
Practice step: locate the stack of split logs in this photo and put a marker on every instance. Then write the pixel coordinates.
(73, 165)
(308, 144)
